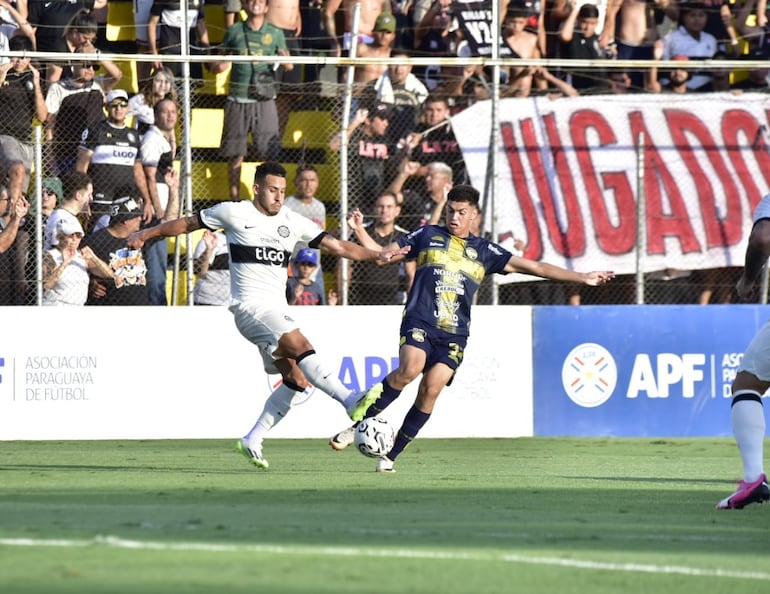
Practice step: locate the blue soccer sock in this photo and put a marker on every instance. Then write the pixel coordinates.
(389, 394)
(413, 422)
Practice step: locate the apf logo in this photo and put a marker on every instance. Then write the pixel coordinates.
(589, 375)
(355, 373)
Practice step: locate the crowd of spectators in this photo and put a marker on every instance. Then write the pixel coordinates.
(400, 136)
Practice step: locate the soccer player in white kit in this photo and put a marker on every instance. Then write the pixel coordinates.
(753, 378)
(261, 235)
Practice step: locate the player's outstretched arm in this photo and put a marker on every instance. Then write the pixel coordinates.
(596, 278)
(353, 251)
(550, 271)
(168, 229)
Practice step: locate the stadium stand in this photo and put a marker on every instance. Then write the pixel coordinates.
(120, 21)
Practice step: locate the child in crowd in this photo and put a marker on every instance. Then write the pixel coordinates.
(301, 289)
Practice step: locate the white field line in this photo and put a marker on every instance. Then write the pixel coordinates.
(120, 543)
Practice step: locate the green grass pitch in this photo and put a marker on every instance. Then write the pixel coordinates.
(523, 515)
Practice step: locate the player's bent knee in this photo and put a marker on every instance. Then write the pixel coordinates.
(401, 377)
(748, 381)
(298, 381)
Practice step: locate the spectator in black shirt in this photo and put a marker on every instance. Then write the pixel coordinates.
(21, 100)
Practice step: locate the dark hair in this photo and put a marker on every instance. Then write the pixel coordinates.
(83, 22)
(688, 7)
(518, 9)
(74, 181)
(389, 194)
(464, 193)
(268, 168)
(437, 98)
(588, 11)
(21, 43)
(303, 168)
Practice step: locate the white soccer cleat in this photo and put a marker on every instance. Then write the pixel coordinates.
(253, 455)
(385, 464)
(343, 439)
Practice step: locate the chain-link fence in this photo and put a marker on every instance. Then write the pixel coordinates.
(563, 186)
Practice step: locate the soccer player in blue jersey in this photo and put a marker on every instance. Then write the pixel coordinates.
(451, 263)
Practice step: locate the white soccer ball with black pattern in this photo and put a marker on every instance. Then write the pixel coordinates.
(374, 437)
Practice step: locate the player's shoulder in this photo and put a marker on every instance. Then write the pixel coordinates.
(424, 237)
(224, 209)
(484, 245)
(294, 217)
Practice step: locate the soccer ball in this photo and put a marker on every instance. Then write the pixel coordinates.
(374, 437)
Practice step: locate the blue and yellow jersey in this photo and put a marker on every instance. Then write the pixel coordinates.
(449, 272)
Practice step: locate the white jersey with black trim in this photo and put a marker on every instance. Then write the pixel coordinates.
(260, 247)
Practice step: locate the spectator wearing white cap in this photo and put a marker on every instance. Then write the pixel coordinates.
(66, 266)
(110, 153)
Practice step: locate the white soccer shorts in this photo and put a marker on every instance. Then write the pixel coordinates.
(263, 327)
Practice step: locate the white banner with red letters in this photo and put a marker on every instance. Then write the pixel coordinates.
(569, 171)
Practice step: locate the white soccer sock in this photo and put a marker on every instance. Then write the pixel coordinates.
(324, 378)
(276, 408)
(748, 422)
